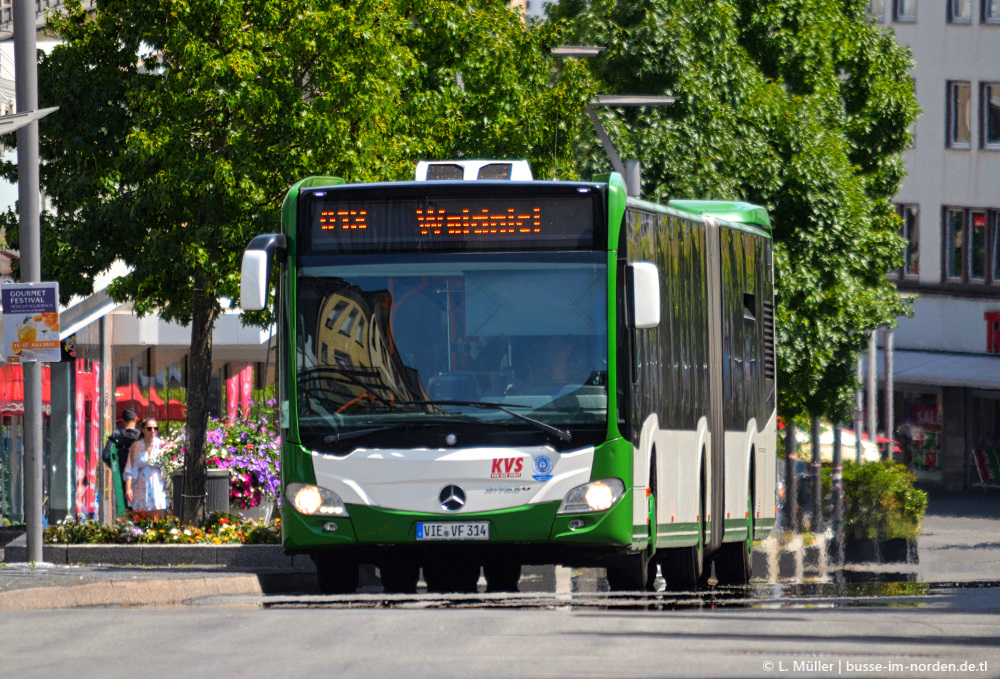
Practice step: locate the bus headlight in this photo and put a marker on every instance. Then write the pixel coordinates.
(311, 500)
(595, 496)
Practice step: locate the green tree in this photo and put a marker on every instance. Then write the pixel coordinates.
(183, 122)
(802, 106)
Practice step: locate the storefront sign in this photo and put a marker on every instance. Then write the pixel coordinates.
(31, 322)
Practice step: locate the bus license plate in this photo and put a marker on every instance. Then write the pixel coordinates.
(473, 530)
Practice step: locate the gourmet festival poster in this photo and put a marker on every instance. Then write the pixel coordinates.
(30, 322)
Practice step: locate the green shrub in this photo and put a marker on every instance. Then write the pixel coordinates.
(880, 501)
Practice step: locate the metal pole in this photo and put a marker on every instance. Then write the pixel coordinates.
(633, 180)
(859, 413)
(26, 92)
(889, 424)
(815, 479)
(791, 482)
(871, 394)
(609, 148)
(837, 519)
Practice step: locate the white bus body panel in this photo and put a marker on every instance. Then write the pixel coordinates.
(493, 478)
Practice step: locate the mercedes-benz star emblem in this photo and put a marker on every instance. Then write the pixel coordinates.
(452, 498)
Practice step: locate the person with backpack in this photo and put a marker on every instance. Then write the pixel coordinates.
(116, 450)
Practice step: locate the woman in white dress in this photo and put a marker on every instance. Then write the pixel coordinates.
(143, 480)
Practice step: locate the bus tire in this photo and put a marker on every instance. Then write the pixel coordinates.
(502, 576)
(630, 576)
(335, 574)
(447, 577)
(399, 577)
(734, 562)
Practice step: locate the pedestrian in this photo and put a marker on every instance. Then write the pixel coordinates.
(122, 439)
(143, 481)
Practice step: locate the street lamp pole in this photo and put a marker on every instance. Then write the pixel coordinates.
(26, 90)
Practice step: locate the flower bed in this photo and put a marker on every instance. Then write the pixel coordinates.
(250, 451)
(222, 528)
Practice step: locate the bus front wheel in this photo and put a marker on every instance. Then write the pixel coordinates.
(631, 576)
(336, 575)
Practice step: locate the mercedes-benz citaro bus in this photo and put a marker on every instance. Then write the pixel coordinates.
(479, 371)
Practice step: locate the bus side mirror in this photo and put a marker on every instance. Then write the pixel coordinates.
(255, 270)
(644, 282)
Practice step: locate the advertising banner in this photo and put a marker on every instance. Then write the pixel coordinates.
(31, 322)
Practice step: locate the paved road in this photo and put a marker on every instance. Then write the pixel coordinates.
(561, 637)
(565, 628)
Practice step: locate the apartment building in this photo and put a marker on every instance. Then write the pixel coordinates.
(946, 359)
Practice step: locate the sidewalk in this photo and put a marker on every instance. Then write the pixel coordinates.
(959, 538)
(960, 542)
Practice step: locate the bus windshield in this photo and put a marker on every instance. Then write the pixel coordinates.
(422, 340)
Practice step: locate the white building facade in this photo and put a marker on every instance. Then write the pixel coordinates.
(946, 363)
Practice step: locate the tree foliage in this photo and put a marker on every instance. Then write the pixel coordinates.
(183, 122)
(802, 106)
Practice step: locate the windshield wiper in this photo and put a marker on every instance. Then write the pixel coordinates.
(561, 434)
(357, 433)
(353, 434)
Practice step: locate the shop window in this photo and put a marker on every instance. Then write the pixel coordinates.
(920, 434)
(905, 10)
(958, 119)
(990, 96)
(960, 11)
(985, 438)
(910, 214)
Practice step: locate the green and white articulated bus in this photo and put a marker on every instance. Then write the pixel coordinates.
(478, 370)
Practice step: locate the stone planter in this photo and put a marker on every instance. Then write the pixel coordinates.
(262, 512)
(900, 550)
(10, 533)
(217, 487)
(861, 550)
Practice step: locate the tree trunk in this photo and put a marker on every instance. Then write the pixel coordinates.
(199, 379)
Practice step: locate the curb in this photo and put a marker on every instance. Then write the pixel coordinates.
(155, 592)
(243, 556)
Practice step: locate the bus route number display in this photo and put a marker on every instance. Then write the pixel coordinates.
(451, 223)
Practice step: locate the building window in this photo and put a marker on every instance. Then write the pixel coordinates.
(991, 116)
(991, 11)
(959, 121)
(993, 245)
(910, 215)
(960, 11)
(977, 246)
(905, 10)
(954, 243)
(876, 9)
(972, 246)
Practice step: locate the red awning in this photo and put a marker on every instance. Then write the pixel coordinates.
(12, 390)
(129, 396)
(157, 406)
(176, 410)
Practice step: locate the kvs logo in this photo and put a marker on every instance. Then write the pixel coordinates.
(507, 468)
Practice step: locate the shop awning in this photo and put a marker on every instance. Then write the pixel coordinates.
(12, 390)
(973, 371)
(157, 406)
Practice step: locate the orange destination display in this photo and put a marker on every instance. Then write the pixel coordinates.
(507, 216)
